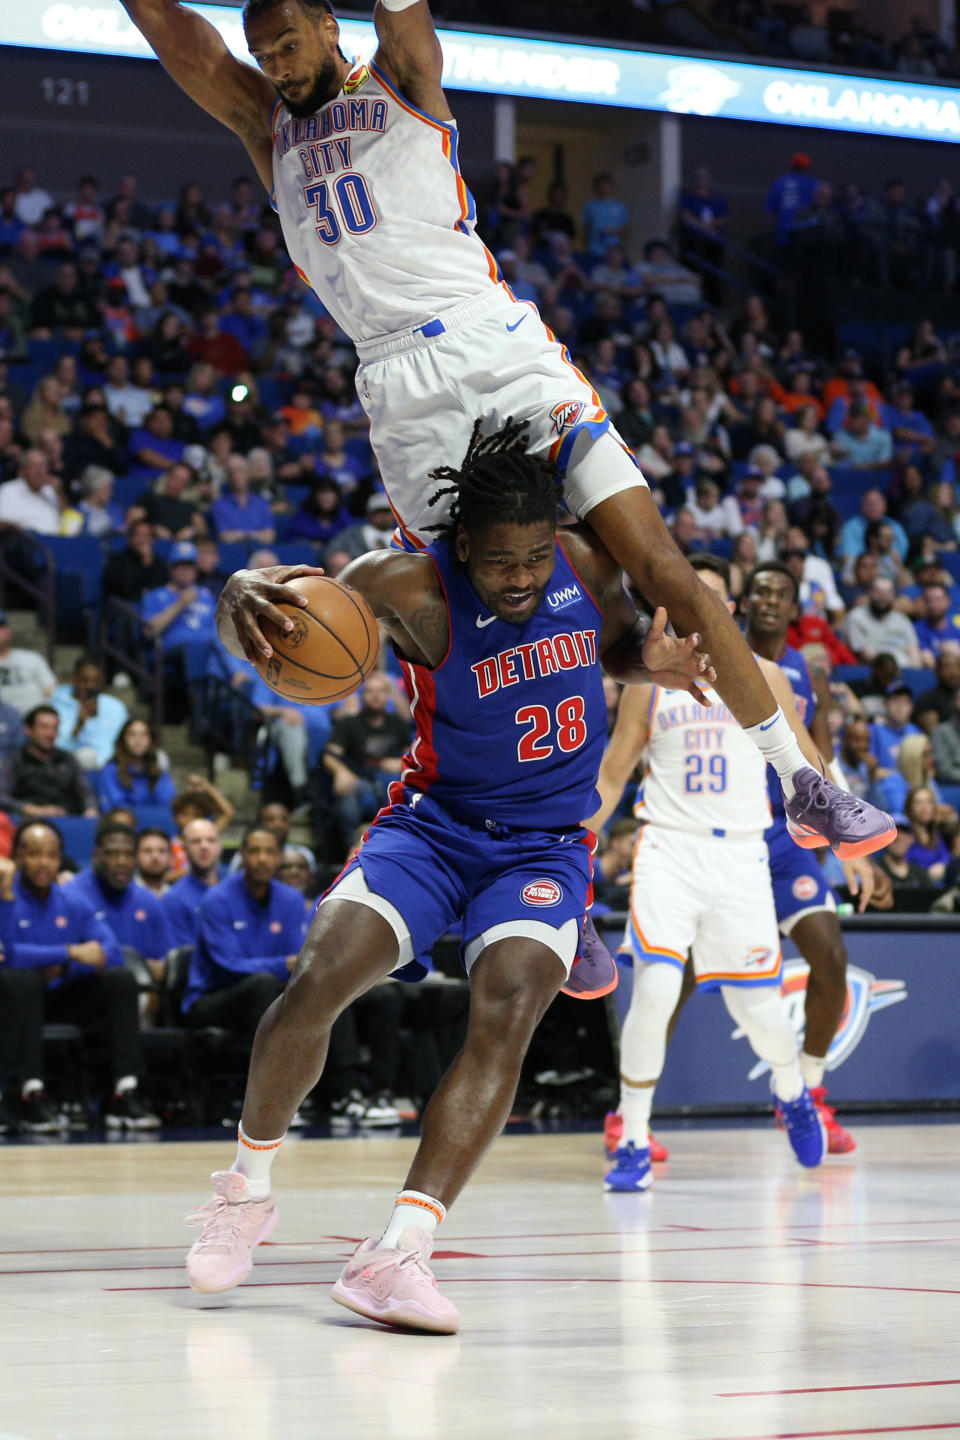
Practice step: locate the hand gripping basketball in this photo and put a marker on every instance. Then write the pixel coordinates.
(251, 596)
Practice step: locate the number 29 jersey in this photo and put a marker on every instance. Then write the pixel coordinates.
(702, 775)
(375, 213)
(512, 723)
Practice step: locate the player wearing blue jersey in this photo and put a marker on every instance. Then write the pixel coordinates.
(362, 163)
(501, 628)
(806, 907)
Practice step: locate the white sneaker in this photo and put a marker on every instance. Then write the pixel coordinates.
(380, 1111)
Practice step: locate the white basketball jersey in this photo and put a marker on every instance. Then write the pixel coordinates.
(375, 213)
(703, 773)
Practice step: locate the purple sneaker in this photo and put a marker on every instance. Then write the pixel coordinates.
(820, 813)
(594, 971)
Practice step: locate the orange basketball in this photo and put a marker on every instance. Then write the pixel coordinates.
(331, 649)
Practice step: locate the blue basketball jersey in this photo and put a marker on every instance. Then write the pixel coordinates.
(795, 668)
(512, 723)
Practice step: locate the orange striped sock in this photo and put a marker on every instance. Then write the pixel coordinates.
(254, 1158)
(412, 1208)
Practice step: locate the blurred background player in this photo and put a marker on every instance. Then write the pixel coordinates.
(700, 882)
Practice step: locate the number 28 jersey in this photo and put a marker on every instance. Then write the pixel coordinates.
(702, 774)
(512, 723)
(376, 215)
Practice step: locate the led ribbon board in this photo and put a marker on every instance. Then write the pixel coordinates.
(503, 65)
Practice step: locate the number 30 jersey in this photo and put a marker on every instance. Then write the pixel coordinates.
(702, 773)
(376, 215)
(512, 723)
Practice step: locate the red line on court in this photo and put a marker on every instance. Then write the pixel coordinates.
(830, 1434)
(834, 1389)
(576, 1280)
(785, 1230)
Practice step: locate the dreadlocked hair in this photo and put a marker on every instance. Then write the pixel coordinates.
(499, 483)
(253, 8)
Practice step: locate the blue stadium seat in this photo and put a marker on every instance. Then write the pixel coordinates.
(296, 494)
(850, 674)
(79, 833)
(950, 560)
(159, 817)
(127, 489)
(296, 552)
(79, 574)
(918, 680)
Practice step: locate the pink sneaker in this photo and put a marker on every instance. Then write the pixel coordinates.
(397, 1287)
(222, 1256)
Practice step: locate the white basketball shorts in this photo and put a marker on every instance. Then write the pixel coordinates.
(709, 894)
(491, 359)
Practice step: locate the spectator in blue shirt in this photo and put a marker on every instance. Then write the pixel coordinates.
(250, 931)
(133, 915)
(605, 220)
(299, 732)
(886, 735)
(134, 774)
(238, 515)
(243, 322)
(853, 536)
(11, 729)
(61, 964)
(153, 447)
(788, 195)
(202, 846)
(322, 514)
(938, 623)
(860, 444)
(180, 611)
(203, 401)
(90, 721)
(914, 437)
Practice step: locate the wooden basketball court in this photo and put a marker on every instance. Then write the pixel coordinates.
(741, 1297)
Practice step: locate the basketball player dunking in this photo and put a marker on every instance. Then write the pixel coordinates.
(361, 161)
(501, 631)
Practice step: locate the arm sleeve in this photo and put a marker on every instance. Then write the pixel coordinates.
(220, 942)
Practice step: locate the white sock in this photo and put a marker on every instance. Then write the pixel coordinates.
(778, 745)
(812, 1067)
(636, 1102)
(29, 1086)
(254, 1158)
(412, 1208)
(787, 1081)
(125, 1083)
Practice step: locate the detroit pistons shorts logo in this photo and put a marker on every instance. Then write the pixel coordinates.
(804, 887)
(542, 893)
(565, 415)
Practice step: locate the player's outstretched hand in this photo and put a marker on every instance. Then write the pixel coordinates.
(861, 877)
(674, 663)
(250, 596)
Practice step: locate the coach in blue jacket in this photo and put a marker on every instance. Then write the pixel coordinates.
(250, 930)
(60, 963)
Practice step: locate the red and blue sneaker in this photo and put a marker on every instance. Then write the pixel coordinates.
(613, 1135)
(839, 1141)
(805, 1130)
(631, 1170)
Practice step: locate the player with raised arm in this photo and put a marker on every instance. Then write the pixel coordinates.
(361, 160)
(501, 629)
(701, 883)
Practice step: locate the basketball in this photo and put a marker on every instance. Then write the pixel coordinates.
(331, 649)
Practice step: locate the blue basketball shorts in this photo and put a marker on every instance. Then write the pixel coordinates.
(427, 873)
(798, 885)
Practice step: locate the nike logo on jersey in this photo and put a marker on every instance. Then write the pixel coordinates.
(482, 624)
(518, 323)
